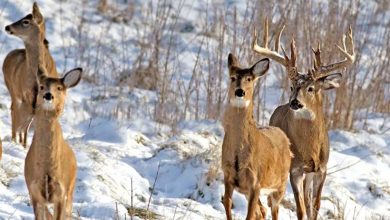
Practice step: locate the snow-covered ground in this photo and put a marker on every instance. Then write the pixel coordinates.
(126, 163)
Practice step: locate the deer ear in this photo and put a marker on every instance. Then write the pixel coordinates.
(330, 81)
(232, 61)
(37, 13)
(41, 74)
(260, 68)
(72, 78)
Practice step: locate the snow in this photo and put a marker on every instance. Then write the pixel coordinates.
(119, 160)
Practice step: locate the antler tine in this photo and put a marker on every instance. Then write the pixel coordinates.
(347, 50)
(265, 37)
(293, 53)
(317, 57)
(289, 63)
(264, 50)
(349, 36)
(291, 69)
(291, 66)
(277, 40)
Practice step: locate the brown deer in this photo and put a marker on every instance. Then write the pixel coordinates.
(253, 159)
(50, 165)
(303, 121)
(20, 67)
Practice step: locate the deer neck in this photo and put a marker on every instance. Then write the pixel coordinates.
(48, 137)
(239, 119)
(318, 110)
(35, 53)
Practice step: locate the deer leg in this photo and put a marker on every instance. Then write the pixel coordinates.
(227, 199)
(25, 138)
(18, 122)
(13, 122)
(252, 204)
(20, 137)
(274, 200)
(296, 179)
(69, 204)
(38, 200)
(59, 210)
(40, 209)
(25, 131)
(263, 211)
(319, 180)
(47, 213)
(37, 208)
(308, 194)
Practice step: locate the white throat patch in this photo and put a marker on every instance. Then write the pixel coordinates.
(48, 105)
(304, 113)
(239, 102)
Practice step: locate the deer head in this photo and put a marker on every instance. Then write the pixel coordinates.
(52, 91)
(242, 81)
(29, 27)
(306, 88)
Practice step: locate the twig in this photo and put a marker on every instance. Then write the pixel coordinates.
(174, 213)
(116, 211)
(131, 203)
(152, 190)
(346, 167)
(354, 163)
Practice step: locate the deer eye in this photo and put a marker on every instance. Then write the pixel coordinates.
(233, 79)
(41, 87)
(310, 89)
(59, 88)
(249, 79)
(291, 88)
(25, 22)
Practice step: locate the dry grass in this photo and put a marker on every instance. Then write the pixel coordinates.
(143, 213)
(157, 65)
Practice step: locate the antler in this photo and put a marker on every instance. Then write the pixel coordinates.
(320, 70)
(289, 63)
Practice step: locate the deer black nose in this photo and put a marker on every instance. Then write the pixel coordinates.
(7, 28)
(48, 96)
(239, 93)
(295, 104)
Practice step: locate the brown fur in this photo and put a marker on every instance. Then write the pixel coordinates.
(310, 145)
(303, 120)
(252, 158)
(50, 165)
(20, 67)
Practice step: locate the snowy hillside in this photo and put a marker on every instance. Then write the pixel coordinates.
(129, 163)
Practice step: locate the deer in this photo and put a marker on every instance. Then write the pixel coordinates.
(20, 67)
(50, 165)
(254, 160)
(303, 119)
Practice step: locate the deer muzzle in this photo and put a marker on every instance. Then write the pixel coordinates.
(8, 29)
(239, 93)
(295, 104)
(48, 97)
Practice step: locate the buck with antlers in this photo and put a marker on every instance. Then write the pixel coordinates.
(253, 159)
(302, 119)
(50, 165)
(20, 67)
